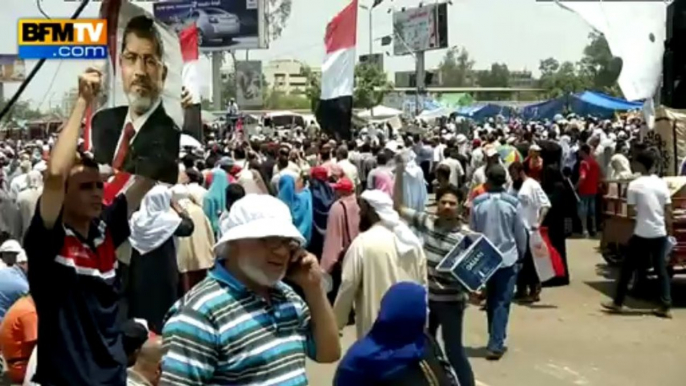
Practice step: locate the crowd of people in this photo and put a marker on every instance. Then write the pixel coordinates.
(267, 248)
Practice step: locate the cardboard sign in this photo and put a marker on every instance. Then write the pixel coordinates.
(138, 131)
(472, 261)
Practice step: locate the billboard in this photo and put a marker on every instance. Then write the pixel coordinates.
(12, 69)
(249, 83)
(420, 29)
(222, 24)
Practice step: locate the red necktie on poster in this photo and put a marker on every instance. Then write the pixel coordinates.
(123, 150)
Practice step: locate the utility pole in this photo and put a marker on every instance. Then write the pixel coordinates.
(370, 33)
(217, 79)
(420, 74)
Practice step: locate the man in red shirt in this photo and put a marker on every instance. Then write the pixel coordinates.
(589, 180)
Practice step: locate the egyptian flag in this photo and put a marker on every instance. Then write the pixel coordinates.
(190, 76)
(334, 112)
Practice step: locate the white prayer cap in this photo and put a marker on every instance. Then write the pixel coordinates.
(405, 241)
(258, 216)
(392, 146)
(11, 246)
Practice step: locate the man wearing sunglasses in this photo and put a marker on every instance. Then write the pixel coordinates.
(242, 325)
(71, 245)
(139, 138)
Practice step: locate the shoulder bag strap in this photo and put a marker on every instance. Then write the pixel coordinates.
(347, 225)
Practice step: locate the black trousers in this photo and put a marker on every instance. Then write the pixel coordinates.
(642, 253)
(527, 279)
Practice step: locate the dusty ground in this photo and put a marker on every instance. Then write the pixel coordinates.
(567, 340)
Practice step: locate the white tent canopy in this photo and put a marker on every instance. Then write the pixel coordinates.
(379, 113)
(428, 115)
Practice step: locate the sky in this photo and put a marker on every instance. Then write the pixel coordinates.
(519, 33)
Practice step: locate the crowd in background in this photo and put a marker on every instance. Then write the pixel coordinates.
(201, 264)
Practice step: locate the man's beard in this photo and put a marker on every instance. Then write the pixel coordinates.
(257, 275)
(139, 104)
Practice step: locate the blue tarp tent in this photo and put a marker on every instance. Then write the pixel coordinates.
(481, 112)
(544, 110)
(599, 105)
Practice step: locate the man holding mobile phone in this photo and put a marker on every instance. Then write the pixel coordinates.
(242, 325)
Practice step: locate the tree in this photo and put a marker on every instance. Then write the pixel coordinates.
(497, 76)
(456, 68)
(279, 100)
(371, 85)
(279, 13)
(21, 110)
(561, 79)
(313, 89)
(598, 64)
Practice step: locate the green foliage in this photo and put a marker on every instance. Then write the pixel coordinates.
(279, 100)
(497, 76)
(595, 71)
(561, 79)
(22, 110)
(314, 87)
(371, 85)
(456, 69)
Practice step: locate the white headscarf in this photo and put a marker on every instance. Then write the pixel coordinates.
(155, 222)
(405, 240)
(182, 195)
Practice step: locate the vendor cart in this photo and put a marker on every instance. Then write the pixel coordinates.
(619, 226)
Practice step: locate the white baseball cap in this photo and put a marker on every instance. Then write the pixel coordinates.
(257, 216)
(11, 246)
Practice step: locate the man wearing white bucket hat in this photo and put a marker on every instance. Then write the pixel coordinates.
(242, 319)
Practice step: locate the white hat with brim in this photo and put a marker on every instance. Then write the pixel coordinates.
(258, 216)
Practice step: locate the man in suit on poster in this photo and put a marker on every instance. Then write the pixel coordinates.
(139, 138)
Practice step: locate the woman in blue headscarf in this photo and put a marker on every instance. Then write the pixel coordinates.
(215, 199)
(323, 197)
(300, 204)
(397, 351)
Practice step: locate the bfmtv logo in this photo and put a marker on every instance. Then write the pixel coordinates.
(42, 32)
(62, 39)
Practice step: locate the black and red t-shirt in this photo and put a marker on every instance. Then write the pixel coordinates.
(74, 284)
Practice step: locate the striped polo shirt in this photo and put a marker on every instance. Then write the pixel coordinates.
(437, 244)
(221, 333)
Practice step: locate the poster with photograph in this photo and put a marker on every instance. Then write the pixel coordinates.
(472, 261)
(249, 83)
(138, 132)
(222, 24)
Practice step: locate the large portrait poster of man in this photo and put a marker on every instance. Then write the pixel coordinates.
(138, 131)
(249, 83)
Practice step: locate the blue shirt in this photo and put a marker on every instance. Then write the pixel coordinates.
(495, 216)
(221, 333)
(13, 285)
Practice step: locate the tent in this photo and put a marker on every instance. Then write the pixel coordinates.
(544, 110)
(583, 104)
(599, 105)
(455, 100)
(428, 115)
(484, 111)
(379, 113)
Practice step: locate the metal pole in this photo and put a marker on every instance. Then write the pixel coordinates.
(370, 33)
(419, 74)
(217, 79)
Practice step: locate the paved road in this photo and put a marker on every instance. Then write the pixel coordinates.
(567, 341)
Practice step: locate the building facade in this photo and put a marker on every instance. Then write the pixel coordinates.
(286, 75)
